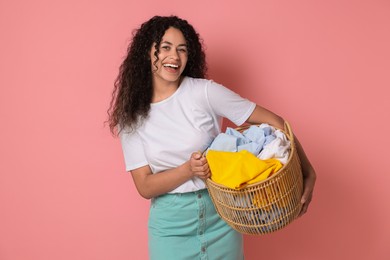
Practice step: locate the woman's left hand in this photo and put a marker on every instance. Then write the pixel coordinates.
(309, 179)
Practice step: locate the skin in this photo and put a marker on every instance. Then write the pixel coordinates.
(166, 80)
(173, 51)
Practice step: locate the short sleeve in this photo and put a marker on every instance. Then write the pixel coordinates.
(229, 104)
(133, 150)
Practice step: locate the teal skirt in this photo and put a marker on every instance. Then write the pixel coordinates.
(186, 226)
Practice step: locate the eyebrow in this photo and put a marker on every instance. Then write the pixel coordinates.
(167, 42)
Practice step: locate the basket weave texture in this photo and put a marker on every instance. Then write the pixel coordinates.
(266, 206)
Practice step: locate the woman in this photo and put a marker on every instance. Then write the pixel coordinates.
(166, 113)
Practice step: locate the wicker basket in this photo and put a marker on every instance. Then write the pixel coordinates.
(266, 206)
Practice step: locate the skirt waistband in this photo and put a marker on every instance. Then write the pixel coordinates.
(185, 194)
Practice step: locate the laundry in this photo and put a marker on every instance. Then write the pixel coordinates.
(263, 141)
(238, 159)
(278, 148)
(266, 219)
(239, 169)
(224, 142)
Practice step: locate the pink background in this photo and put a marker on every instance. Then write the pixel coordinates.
(323, 65)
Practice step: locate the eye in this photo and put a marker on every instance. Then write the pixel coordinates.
(166, 47)
(182, 50)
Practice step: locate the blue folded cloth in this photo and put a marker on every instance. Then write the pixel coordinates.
(253, 148)
(224, 142)
(252, 139)
(241, 139)
(255, 134)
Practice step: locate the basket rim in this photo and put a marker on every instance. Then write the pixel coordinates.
(290, 137)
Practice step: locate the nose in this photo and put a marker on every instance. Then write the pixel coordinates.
(174, 54)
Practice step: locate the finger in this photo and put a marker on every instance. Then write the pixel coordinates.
(305, 196)
(201, 171)
(202, 161)
(203, 164)
(200, 168)
(204, 175)
(196, 155)
(197, 165)
(305, 201)
(303, 210)
(308, 190)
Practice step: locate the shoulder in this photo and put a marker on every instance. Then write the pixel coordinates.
(196, 82)
(194, 87)
(198, 86)
(194, 92)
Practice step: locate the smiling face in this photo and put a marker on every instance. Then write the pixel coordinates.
(172, 58)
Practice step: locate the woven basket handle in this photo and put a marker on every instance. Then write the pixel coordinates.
(288, 131)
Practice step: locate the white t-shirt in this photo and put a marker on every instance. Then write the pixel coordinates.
(184, 123)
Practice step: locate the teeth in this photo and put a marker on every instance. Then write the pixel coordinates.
(171, 65)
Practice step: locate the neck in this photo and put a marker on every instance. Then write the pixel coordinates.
(164, 89)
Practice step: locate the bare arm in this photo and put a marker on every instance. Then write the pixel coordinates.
(151, 185)
(262, 115)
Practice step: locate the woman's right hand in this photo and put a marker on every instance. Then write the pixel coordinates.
(151, 185)
(199, 166)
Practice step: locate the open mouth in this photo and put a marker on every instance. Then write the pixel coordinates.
(171, 66)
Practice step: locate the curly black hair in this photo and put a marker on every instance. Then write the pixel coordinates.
(133, 88)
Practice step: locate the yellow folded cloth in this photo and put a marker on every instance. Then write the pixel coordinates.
(239, 169)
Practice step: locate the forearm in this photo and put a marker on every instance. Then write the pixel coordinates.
(307, 168)
(261, 115)
(153, 185)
